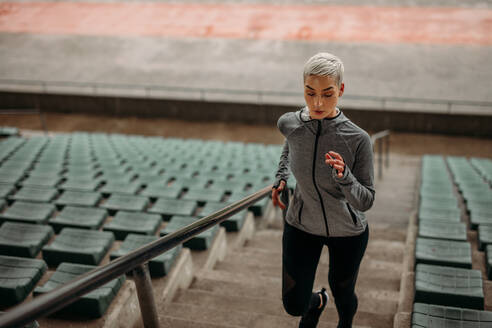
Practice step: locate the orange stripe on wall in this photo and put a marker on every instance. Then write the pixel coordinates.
(253, 21)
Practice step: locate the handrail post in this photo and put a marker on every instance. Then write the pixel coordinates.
(148, 310)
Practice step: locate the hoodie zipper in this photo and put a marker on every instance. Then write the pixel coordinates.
(318, 133)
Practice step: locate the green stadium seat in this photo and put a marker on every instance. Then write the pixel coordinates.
(227, 185)
(147, 179)
(435, 203)
(204, 195)
(3, 203)
(6, 190)
(161, 190)
(120, 187)
(28, 212)
(9, 178)
(194, 182)
(484, 236)
(442, 285)
(488, 261)
(257, 208)
(159, 266)
(479, 208)
(433, 214)
(23, 239)
(43, 195)
(436, 316)
(45, 171)
(78, 246)
(120, 202)
(443, 252)
(18, 276)
(41, 182)
(477, 219)
(234, 223)
(442, 230)
(91, 305)
(133, 222)
(78, 198)
(80, 185)
(200, 242)
(169, 207)
(79, 217)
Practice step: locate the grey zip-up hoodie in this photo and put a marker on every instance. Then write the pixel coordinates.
(324, 204)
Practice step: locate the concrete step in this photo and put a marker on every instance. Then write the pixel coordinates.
(238, 318)
(274, 307)
(171, 321)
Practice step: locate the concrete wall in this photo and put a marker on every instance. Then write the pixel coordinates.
(369, 119)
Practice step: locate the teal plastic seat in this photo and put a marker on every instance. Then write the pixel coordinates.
(41, 182)
(200, 242)
(442, 230)
(161, 190)
(484, 236)
(23, 239)
(91, 305)
(257, 208)
(204, 195)
(437, 316)
(434, 203)
(79, 198)
(477, 219)
(80, 185)
(442, 285)
(133, 222)
(18, 276)
(10, 178)
(170, 207)
(441, 214)
(43, 195)
(146, 179)
(234, 223)
(78, 246)
(28, 212)
(192, 182)
(158, 266)
(443, 252)
(120, 202)
(119, 187)
(79, 217)
(3, 203)
(6, 190)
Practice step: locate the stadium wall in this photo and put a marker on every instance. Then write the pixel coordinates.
(369, 119)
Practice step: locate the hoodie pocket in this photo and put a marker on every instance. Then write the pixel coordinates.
(352, 214)
(300, 212)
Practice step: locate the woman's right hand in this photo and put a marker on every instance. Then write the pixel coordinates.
(276, 195)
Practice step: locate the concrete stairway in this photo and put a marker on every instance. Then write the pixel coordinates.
(243, 288)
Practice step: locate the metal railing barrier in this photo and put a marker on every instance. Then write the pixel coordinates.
(27, 111)
(381, 140)
(135, 261)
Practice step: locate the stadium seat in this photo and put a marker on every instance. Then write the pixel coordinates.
(91, 305)
(200, 242)
(18, 276)
(452, 215)
(169, 207)
(133, 222)
(234, 223)
(257, 208)
(442, 285)
(10, 178)
(484, 236)
(159, 189)
(120, 202)
(28, 212)
(78, 198)
(442, 230)
(204, 195)
(78, 246)
(79, 217)
(158, 266)
(146, 179)
(43, 195)
(192, 182)
(80, 185)
(6, 190)
(41, 182)
(443, 252)
(430, 316)
(3, 203)
(120, 187)
(23, 239)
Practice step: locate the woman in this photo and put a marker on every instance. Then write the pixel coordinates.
(331, 159)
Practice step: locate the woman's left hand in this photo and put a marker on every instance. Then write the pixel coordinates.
(335, 160)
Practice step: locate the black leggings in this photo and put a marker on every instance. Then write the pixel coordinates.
(300, 256)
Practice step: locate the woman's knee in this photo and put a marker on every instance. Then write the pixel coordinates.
(293, 305)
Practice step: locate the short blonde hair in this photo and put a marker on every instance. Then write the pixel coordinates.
(325, 64)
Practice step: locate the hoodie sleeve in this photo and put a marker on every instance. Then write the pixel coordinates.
(283, 170)
(357, 184)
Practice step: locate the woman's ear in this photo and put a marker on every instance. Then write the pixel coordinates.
(342, 89)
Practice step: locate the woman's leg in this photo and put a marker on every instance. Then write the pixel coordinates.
(345, 256)
(300, 257)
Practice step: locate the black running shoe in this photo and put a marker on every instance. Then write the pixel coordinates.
(311, 317)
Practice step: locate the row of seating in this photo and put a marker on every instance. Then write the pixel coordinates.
(66, 200)
(448, 292)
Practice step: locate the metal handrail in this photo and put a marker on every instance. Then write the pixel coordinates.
(26, 111)
(377, 140)
(147, 89)
(66, 294)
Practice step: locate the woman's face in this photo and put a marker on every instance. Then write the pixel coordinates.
(321, 94)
